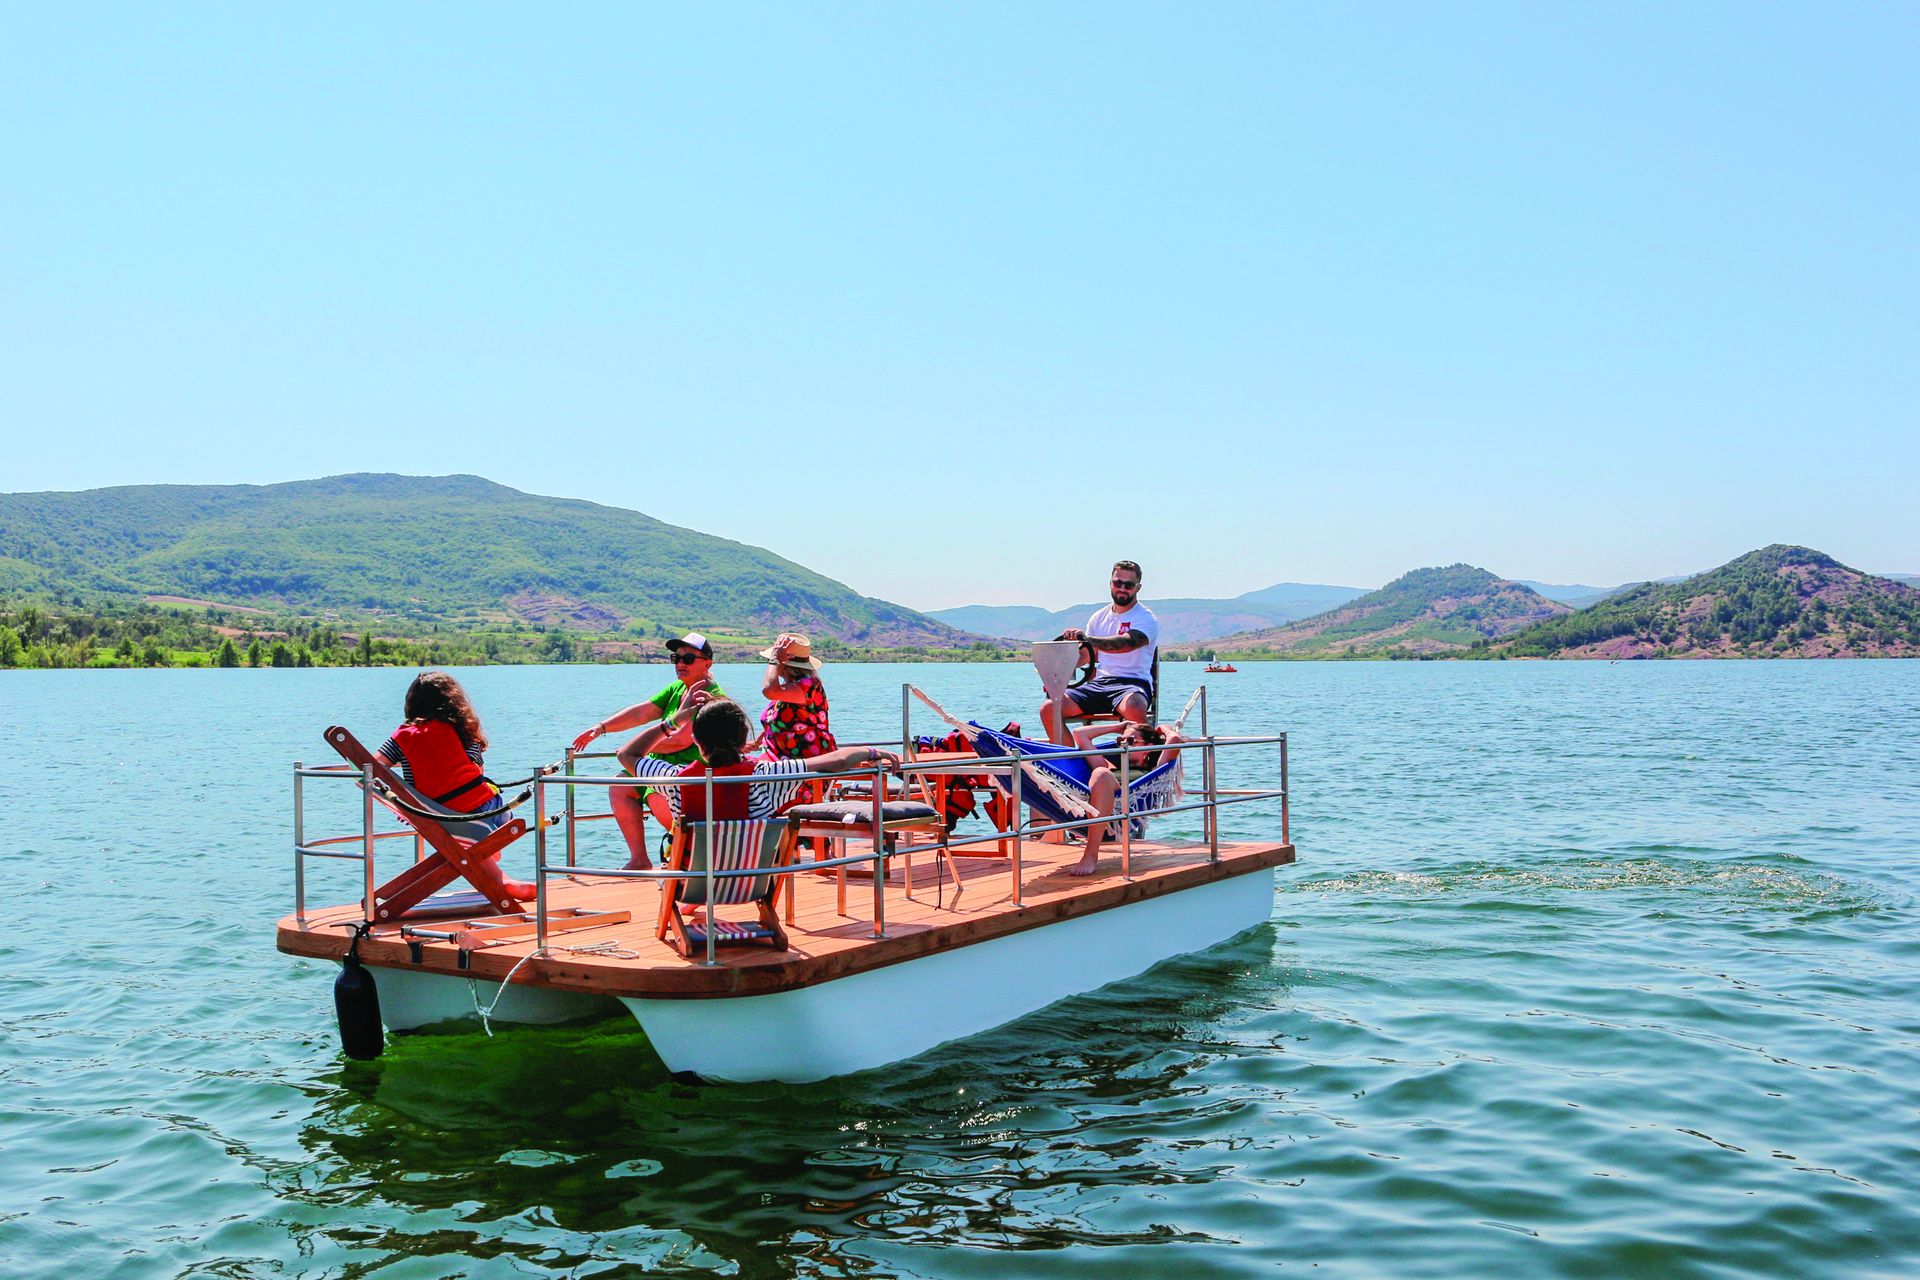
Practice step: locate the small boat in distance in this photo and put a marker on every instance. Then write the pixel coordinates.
(1221, 668)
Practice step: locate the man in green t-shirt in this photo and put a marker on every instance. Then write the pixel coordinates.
(675, 704)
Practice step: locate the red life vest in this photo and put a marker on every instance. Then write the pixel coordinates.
(442, 771)
(729, 802)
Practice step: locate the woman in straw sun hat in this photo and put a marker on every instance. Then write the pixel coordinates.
(794, 725)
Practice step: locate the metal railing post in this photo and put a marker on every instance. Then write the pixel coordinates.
(708, 829)
(1213, 803)
(1019, 824)
(573, 812)
(906, 721)
(1286, 837)
(539, 862)
(1211, 817)
(1126, 812)
(879, 854)
(299, 843)
(366, 819)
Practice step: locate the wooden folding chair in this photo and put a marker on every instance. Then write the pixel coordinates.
(757, 845)
(453, 858)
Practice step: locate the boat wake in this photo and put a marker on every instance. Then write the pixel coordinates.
(1706, 885)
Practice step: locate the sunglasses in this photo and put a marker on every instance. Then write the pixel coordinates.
(684, 658)
(1124, 585)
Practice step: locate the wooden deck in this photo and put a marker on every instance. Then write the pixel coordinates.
(825, 943)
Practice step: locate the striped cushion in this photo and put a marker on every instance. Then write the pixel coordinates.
(725, 931)
(737, 846)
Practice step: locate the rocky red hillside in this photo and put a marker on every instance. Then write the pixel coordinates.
(1777, 602)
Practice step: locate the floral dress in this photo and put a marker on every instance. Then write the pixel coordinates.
(798, 730)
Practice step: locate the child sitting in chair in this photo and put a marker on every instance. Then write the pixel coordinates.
(439, 753)
(720, 733)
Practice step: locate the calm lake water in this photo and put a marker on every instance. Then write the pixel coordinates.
(1586, 970)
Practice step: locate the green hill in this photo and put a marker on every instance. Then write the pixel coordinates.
(430, 550)
(1777, 602)
(1426, 613)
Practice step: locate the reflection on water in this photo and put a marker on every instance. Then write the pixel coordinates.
(452, 1138)
(1586, 970)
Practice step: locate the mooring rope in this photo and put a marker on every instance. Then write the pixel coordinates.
(609, 948)
(389, 796)
(449, 815)
(1181, 723)
(544, 771)
(941, 711)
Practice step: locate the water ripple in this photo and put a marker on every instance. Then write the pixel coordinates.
(1586, 970)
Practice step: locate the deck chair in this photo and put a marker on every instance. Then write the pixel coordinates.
(453, 858)
(735, 846)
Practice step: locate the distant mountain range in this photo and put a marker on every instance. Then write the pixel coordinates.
(455, 549)
(1182, 619)
(1428, 612)
(460, 556)
(1572, 593)
(1779, 601)
(1187, 620)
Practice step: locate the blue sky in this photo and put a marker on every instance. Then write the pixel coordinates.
(958, 304)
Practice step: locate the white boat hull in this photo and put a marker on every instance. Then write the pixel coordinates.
(413, 998)
(896, 1012)
(873, 1018)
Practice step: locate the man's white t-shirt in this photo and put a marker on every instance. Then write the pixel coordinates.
(1135, 663)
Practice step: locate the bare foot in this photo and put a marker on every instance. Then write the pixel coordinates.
(639, 862)
(1084, 867)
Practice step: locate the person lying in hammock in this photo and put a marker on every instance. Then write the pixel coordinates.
(1138, 741)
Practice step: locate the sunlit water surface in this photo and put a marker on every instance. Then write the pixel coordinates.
(1586, 970)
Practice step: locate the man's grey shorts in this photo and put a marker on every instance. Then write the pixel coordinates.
(1102, 695)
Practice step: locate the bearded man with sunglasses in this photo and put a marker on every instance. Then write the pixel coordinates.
(1123, 637)
(675, 704)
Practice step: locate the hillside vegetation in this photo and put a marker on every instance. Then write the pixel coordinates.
(1426, 613)
(416, 552)
(1779, 601)
(116, 634)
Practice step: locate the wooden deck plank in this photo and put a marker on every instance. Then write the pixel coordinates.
(825, 943)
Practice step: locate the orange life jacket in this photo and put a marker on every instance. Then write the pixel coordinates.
(442, 771)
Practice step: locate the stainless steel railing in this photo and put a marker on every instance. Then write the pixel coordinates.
(1008, 773)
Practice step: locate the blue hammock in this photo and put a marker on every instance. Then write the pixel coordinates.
(1059, 789)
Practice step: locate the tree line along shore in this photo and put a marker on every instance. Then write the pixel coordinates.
(388, 570)
(1777, 602)
(48, 634)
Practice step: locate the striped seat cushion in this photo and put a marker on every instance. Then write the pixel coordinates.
(725, 931)
(735, 846)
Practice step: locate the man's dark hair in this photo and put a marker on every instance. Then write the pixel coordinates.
(1138, 576)
(720, 729)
